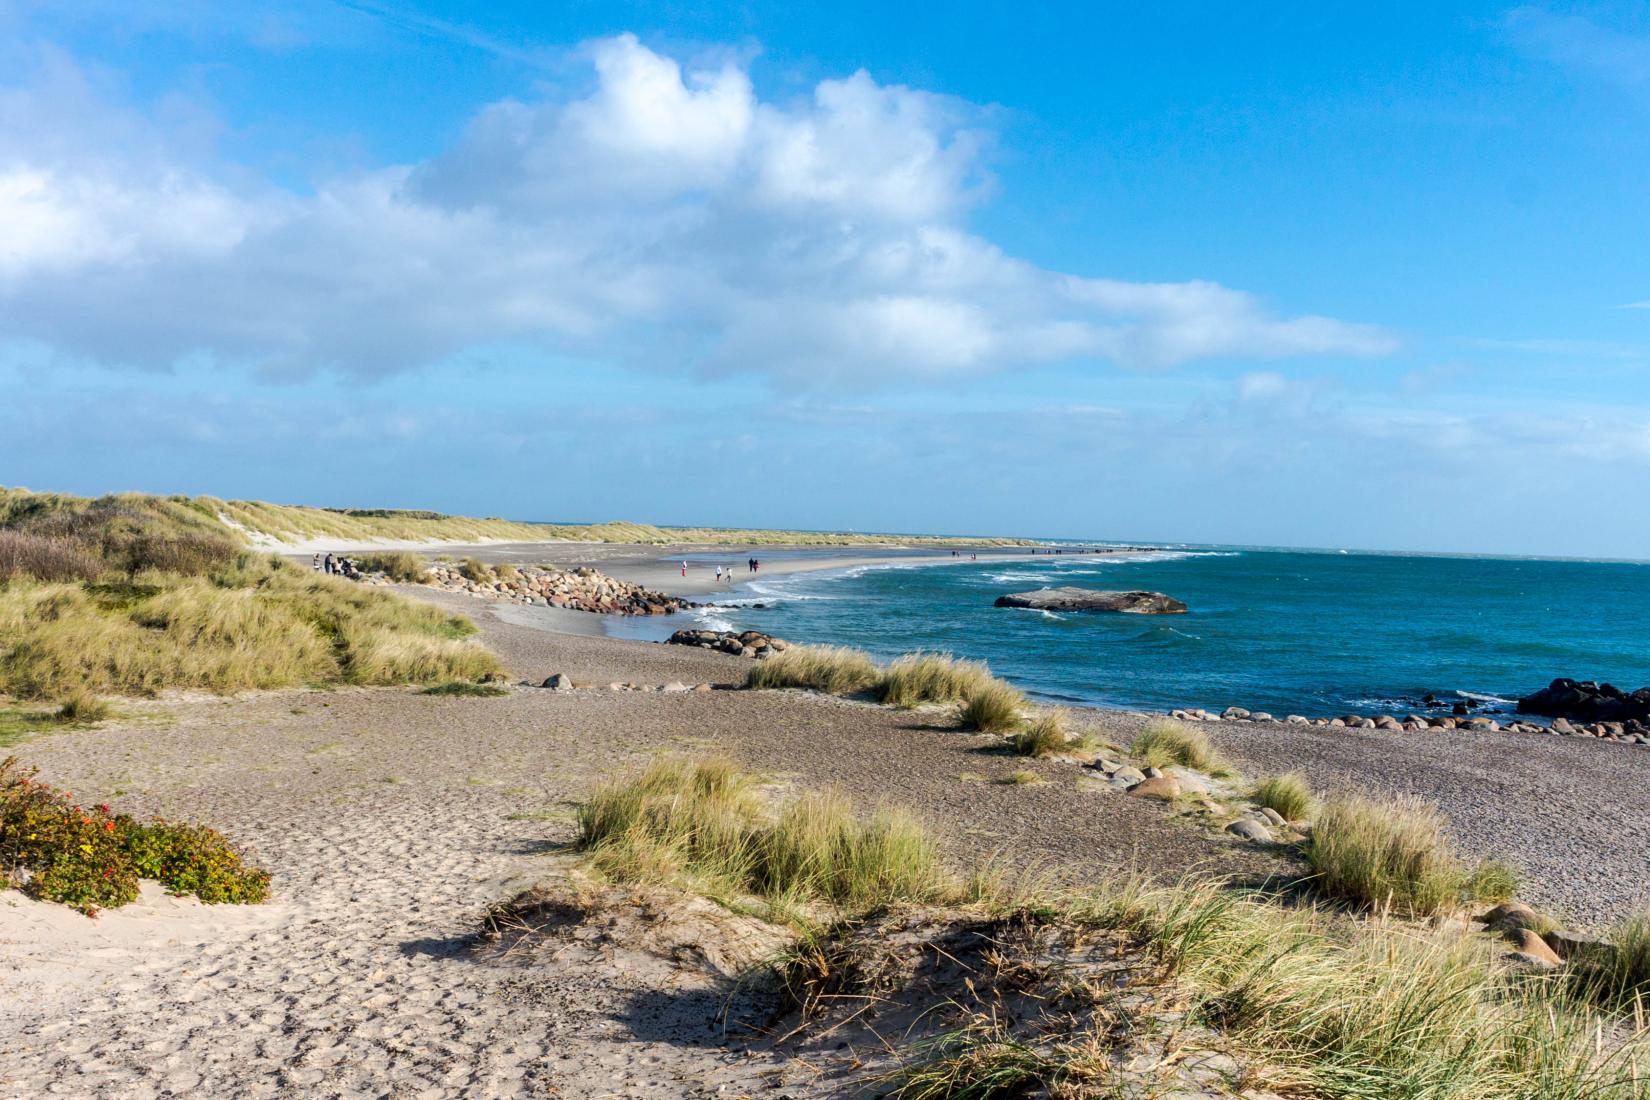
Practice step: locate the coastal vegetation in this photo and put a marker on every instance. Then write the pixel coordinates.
(703, 823)
(1288, 794)
(398, 565)
(836, 670)
(1394, 855)
(1165, 743)
(251, 522)
(1300, 998)
(919, 678)
(90, 858)
(159, 597)
(1043, 736)
(994, 707)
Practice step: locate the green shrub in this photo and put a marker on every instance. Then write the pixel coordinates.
(1043, 737)
(918, 678)
(1395, 855)
(993, 708)
(1288, 794)
(465, 687)
(399, 565)
(833, 669)
(90, 859)
(1165, 743)
(478, 571)
(702, 823)
(192, 859)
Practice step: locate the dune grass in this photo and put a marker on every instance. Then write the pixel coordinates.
(285, 627)
(397, 565)
(918, 678)
(1165, 743)
(701, 823)
(993, 707)
(1045, 736)
(1289, 794)
(837, 670)
(1394, 855)
(82, 708)
(1376, 1009)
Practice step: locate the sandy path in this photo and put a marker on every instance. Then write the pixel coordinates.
(391, 820)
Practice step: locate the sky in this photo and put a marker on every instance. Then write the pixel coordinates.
(1287, 274)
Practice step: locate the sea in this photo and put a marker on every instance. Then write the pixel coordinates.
(1311, 632)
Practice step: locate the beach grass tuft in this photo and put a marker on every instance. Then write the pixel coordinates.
(837, 670)
(1165, 743)
(397, 565)
(1394, 855)
(1045, 736)
(993, 707)
(465, 688)
(702, 823)
(83, 708)
(1289, 794)
(918, 678)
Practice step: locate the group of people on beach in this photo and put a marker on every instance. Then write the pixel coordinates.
(337, 565)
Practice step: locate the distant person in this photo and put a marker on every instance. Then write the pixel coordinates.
(718, 574)
(317, 563)
(684, 568)
(328, 564)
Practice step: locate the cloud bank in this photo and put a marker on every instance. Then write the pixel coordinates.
(666, 217)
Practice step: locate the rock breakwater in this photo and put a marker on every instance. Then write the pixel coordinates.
(749, 643)
(581, 589)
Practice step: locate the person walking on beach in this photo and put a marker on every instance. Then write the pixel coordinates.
(718, 574)
(684, 567)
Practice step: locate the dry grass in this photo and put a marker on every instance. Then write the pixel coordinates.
(1289, 794)
(399, 565)
(701, 823)
(1394, 855)
(1165, 743)
(82, 708)
(1043, 737)
(833, 669)
(993, 707)
(271, 626)
(1376, 1009)
(918, 678)
(46, 558)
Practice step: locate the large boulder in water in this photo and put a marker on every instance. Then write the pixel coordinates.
(1587, 701)
(1089, 599)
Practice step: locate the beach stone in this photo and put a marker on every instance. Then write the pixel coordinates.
(1231, 713)
(1191, 782)
(702, 688)
(559, 682)
(1509, 916)
(1297, 720)
(1528, 943)
(1261, 716)
(1523, 961)
(1152, 773)
(1387, 722)
(1250, 829)
(1273, 816)
(675, 686)
(1574, 945)
(1163, 788)
(1128, 774)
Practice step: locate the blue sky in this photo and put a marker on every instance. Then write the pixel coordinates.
(1300, 277)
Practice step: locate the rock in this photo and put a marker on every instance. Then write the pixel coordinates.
(1152, 773)
(1088, 599)
(1387, 722)
(1127, 774)
(675, 686)
(1587, 701)
(1528, 943)
(1297, 720)
(1574, 945)
(751, 643)
(1192, 783)
(559, 682)
(1273, 816)
(702, 687)
(1164, 788)
(1509, 916)
(1535, 963)
(1261, 716)
(1233, 713)
(1250, 829)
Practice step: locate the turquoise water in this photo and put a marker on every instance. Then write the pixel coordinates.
(1314, 633)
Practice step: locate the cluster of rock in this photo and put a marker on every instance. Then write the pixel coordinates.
(749, 643)
(1588, 702)
(1257, 824)
(1533, 949)
(1628, 733)
(560, 681)
(581, 589)
(1090, 599)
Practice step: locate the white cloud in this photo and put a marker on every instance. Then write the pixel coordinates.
(668, 217)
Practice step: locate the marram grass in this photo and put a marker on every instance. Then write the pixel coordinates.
(837, 670)
(1045, 736)
(918, 678)
(1289, 794)
(1165, 743)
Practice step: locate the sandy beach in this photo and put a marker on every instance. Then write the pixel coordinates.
(392, 821)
